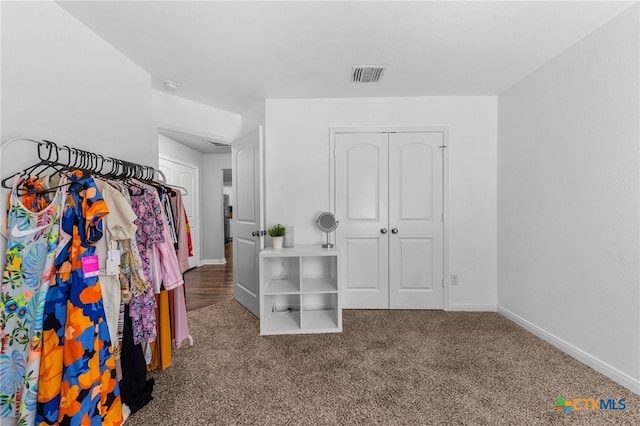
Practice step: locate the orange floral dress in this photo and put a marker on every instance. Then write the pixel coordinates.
(78, 383)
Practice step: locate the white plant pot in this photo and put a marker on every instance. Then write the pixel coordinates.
(277, 242)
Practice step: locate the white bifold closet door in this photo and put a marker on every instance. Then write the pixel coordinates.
(389, 200)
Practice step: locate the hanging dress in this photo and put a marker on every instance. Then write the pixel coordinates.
(146, 205)
(78, 383)
(33, 226)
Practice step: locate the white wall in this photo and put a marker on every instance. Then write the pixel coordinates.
(568, 200)
(253, 117)
(61, 82)
(194, 118)
(228, 190)
(212, 207)
(175, 150)
(297, 173)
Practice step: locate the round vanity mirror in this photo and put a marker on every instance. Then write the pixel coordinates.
(327, 223)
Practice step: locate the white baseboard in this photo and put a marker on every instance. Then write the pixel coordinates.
(471, 308)
(213, 262)
(600, 366)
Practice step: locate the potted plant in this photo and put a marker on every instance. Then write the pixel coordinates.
(277, 235)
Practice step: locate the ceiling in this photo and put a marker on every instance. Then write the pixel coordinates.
(233, 54)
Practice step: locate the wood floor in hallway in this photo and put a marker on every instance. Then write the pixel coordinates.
(210, 284)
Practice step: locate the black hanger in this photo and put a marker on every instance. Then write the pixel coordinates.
(51, 161)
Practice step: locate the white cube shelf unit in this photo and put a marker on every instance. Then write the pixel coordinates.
(299, 290)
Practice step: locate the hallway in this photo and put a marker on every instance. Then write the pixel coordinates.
(210, 284)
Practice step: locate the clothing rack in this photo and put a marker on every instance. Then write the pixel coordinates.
(50, 154)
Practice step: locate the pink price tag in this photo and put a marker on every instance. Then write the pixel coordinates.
(90, 266)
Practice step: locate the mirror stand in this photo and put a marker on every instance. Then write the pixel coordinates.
(327, 223)
(328, 244)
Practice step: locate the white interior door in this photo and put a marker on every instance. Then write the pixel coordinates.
(389, 201)
(362, 209)
(248, 222)
(186, 176)
(416, 253)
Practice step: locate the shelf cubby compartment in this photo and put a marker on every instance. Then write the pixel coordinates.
(281, 275)
(320, 312)
(281, 314)
(319, 274)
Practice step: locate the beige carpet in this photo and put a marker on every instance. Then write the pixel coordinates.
(388, 368)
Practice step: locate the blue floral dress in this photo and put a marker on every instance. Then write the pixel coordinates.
(33, 226)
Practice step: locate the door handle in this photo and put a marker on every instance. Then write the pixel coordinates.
(255, 233)
(394, 231)
(383, 231)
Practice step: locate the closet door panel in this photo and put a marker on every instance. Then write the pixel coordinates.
(416, 270)
(245, 209)
(416, 259)
(362, 208)
(186, 175)
(247, 276)
(415, 182)
(366, 273)
(363, 182)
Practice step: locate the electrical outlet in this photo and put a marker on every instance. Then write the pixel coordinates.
(454, 279)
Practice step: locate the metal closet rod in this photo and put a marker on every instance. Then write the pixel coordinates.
(50, 153)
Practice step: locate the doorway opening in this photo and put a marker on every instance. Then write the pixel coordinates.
(197, 162)
(227, 209)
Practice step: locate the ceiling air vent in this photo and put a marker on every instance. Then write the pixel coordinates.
(214, 143)
(367, 73)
